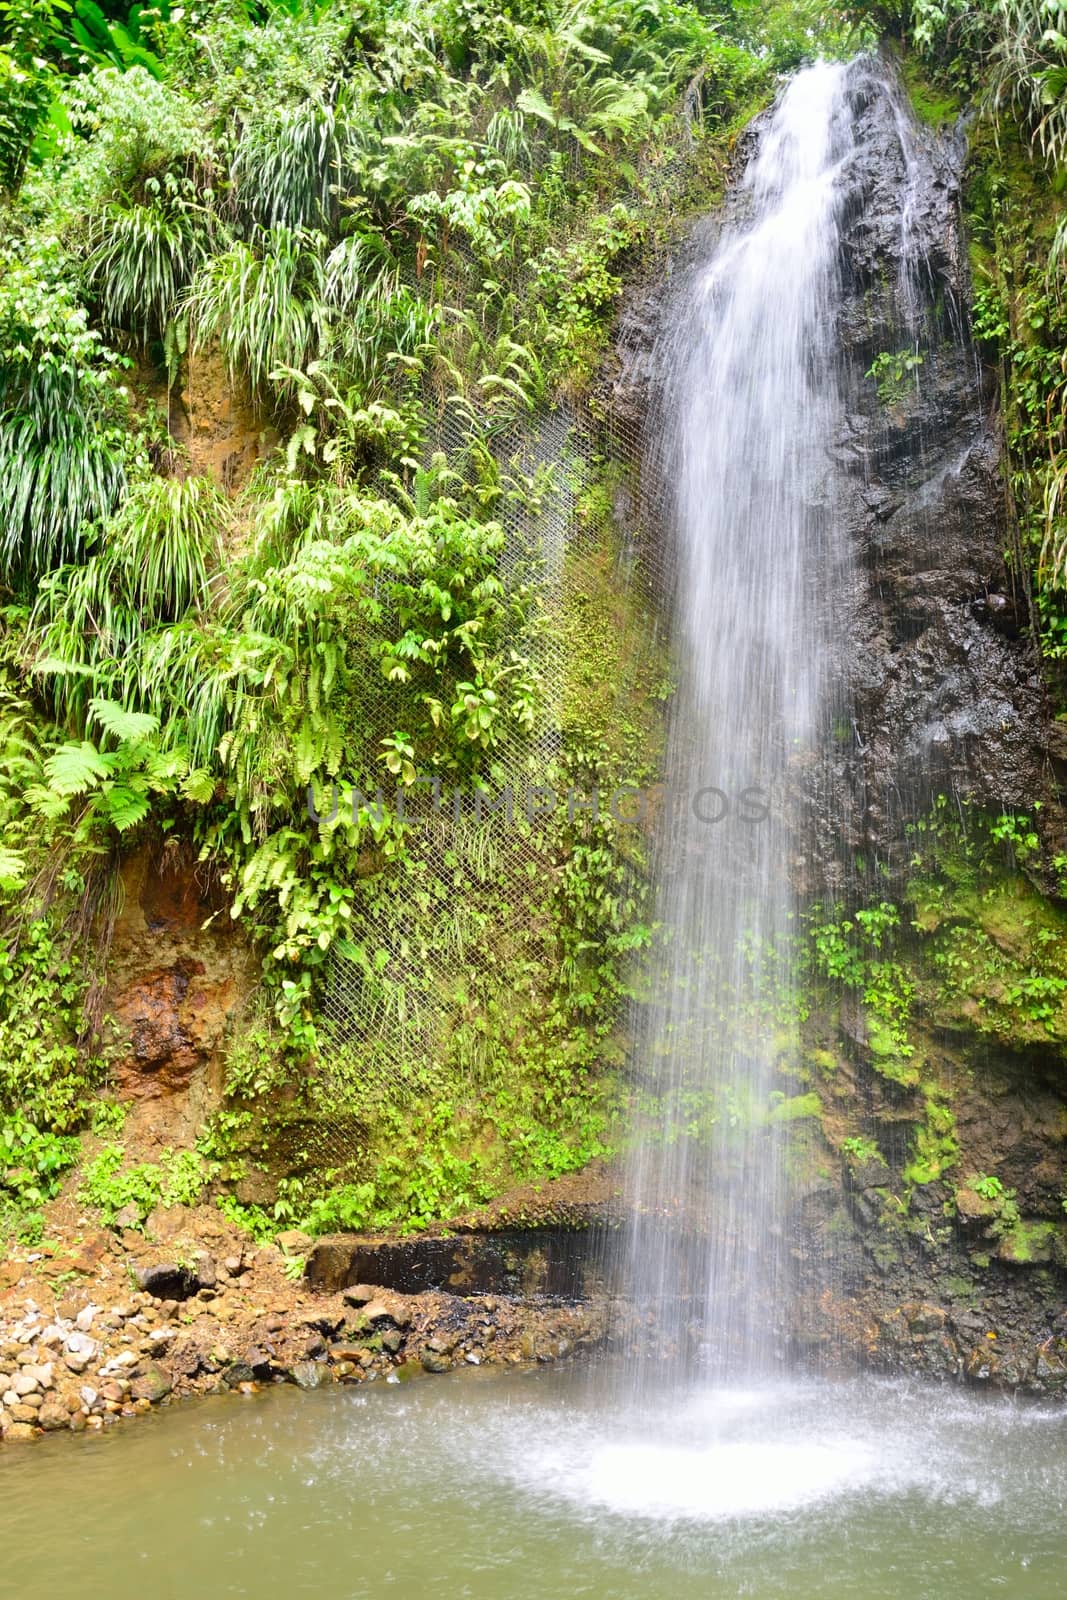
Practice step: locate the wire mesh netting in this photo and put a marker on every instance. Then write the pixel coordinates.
(579, 505)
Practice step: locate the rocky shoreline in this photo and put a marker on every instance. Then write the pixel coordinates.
(105, 1324)
(119, 1324)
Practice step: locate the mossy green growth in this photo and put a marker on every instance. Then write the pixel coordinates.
(617, 676)
(888, 1056)
(796, 1107)
(934, 104)
(996, 950)
(502, 982)
(936, 1146)
(858, 1150)
(1025, 1243)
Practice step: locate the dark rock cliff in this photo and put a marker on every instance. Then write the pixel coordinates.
(943, 684)
(898, 1260)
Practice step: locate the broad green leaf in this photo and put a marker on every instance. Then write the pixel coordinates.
(119, 722)
(76, 768)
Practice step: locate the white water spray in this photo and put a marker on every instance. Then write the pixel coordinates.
(749, 408)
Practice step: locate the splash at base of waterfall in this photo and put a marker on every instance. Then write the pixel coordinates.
(525, 1486)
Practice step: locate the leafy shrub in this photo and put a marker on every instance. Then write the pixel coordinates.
(32, 1162)
(177, 1179)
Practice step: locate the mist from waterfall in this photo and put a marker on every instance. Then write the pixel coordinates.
(749, 405)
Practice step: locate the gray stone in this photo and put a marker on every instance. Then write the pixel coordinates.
(359, 1294)
(311, 1374)
(236, 1373)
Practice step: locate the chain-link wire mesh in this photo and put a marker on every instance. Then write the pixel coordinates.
(396, 987)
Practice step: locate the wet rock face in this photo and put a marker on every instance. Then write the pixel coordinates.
(943, 692)
(178, 976)
(540, 1263)
(936, 690)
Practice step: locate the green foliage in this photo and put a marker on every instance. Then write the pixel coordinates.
(177, 1179)
(936, 1146)
(63, 452)
(994, 943)
(143, 256)
(397, 228)
(841, 950)
(253, 1219)
(108, 1117)
(32, 1161)
(102, 41)
(43, 1073)
(860, 1150)
(286, 168)
(894, 374)
(95, 788)
(27, 83)
(264, 303)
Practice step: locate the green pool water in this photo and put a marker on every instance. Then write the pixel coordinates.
(539, 1486)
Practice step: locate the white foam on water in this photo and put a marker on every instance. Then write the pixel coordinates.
(723, 1481)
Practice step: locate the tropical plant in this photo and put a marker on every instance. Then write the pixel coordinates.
(286, 169)
(264, 303)
(63, 456)
(143, 257)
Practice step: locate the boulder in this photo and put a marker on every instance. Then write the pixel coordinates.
(153, 1384)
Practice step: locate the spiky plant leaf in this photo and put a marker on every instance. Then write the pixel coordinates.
(264, 302)
(286, 167)
(141, 260)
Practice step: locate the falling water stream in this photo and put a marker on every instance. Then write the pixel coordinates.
(714, 1473)
(750, 401)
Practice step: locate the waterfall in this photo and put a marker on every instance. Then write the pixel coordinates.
(749, 405)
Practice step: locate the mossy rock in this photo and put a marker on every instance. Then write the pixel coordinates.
(1031, 1243)
(796, 1108)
